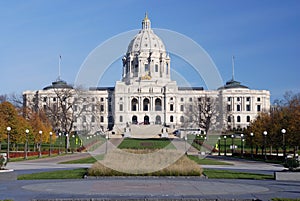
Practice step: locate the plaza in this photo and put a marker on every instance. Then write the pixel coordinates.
(145, 188)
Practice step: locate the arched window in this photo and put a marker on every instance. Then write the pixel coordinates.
(158, 104)
(146, 120)
(171, 118)
(157, 119)
(134, 104)
(248, 119)
(238, 119)
(181, 119)
(229, 118)
(146, 104)
(167, 68)
(121, 119)
(134, 119)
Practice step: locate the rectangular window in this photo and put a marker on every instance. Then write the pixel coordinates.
(190, 108)
(54, 99)
(191, 99)
(248, 99)
(181, 99)
(238, 108)
(121, 107)
(101, 108)
(258, 108)
(248, 108)
(258, 99)
(146, 67)
(171, 107)
(121, 119)
(45, 99)
(156, 67)
(238, 99)
(228, 108)
(181, 108)
(229, 99)
(101, 99)
(101, 119)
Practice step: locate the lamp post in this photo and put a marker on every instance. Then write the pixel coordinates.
(251, 142)
(106, 143)
(8, 133)
(59, 136)
(265, 133)
(50, 147)
(225, 145)
(219, 146)
(232, 136)
(26, 144)
(66, 143)
(283, 131)
(40, 147)
(185, 139)
(242, 144)
(74, 140)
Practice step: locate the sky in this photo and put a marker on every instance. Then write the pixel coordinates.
(263, 36)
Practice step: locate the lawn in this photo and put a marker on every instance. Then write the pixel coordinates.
(59, 174)
(206, 161)
(130, 143)
(228, 174)
(87, 160)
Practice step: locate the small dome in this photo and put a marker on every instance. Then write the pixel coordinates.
(233, 84)
(59, 84)
(146, 40)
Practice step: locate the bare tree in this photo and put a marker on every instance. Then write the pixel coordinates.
(202, 112)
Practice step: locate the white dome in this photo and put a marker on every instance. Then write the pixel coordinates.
(146, 40)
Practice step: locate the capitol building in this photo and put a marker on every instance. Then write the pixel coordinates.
(147, 97)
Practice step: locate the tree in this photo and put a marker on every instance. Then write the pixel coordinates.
(202, 113)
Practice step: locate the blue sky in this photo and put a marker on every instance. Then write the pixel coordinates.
(263, 35)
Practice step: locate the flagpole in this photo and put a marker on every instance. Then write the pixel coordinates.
(59, 60)
(232, 67)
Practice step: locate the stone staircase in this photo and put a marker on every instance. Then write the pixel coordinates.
(146, 131)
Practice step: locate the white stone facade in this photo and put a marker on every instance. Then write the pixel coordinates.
(147, 95)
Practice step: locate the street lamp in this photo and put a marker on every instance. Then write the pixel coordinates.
(225, 144)
(74, 140)
(219, 146)
(232, 136)
(66, 142)
(265, 133)
(106, 137)
(251, 142)
(59, 136)
(26, 144)
(8, 132)
(185, 139)
(242, 140)
(40, 150)
(283, 131)
(50, 143)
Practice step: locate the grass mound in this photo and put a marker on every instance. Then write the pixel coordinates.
(182, 167)
(130, 143)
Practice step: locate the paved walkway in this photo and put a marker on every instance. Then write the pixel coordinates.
(145, 187)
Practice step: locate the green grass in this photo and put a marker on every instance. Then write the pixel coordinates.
(129, 143)
(87, 160)
(206, 161)
(59, 174)
(229, 174)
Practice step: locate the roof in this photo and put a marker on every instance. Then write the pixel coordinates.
(59, 84)
(231, 84)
